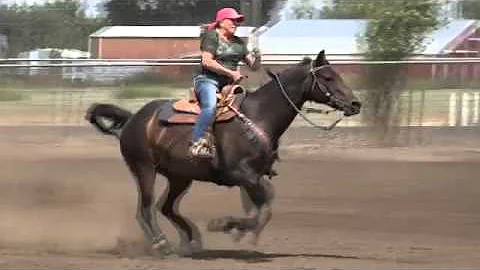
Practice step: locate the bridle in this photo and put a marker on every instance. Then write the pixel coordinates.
(315, 83)
(325, 91)
(331, 97)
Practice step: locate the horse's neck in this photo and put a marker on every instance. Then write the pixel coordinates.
(270, 110)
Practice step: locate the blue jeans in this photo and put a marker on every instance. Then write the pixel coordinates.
(206, 91)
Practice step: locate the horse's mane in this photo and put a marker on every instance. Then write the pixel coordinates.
(305, 61)
(291, 70)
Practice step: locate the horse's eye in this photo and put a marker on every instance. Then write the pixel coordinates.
(327, 76)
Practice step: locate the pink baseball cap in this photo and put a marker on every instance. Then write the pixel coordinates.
(225, 13)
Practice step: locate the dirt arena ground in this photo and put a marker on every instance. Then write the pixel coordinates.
(67, 201)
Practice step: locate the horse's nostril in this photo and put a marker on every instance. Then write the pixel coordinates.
(356, 104)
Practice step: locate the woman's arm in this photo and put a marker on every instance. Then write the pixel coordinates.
(208, 47)
(211, 64)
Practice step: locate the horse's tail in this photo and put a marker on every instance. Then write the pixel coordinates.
(116, 115)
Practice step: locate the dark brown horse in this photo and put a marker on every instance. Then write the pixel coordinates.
(245, 148)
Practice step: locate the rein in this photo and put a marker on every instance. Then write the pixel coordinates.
(251, 125)
(264, 137)
(323, 89)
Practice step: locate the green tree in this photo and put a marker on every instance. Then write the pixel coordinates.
(345, 9)
(173, 12)
(303, 9)
(395, 31)
(59, 24)
(398, 29)
(123, 12)
(470, 9)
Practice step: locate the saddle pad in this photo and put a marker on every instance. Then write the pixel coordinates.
(168, 115)
(186, 106)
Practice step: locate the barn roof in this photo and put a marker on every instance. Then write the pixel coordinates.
(157, 32)
(307, 37)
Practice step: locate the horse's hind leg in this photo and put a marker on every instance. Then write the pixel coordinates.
(189, 233)
(144, 173)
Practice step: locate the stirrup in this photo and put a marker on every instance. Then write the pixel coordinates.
(201, 149)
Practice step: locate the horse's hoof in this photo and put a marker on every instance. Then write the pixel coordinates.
(165, 254)
(188, 249)
(218, 224)
(237, 234)
(196, 246)
(254, 240)
(163, 247)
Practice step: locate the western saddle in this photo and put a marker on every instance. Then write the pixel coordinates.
(186, 111)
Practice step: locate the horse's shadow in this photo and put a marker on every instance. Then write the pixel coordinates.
(256, 256)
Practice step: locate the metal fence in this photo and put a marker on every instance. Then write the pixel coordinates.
(58, 91)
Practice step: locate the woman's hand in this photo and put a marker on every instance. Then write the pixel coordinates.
(254, 59)
(209, 62)
(236, 75)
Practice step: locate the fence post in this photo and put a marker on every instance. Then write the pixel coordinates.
(410, 114)
(452, 109)
(458, 108)
(422, 112)
(476, 103)
(466, 109)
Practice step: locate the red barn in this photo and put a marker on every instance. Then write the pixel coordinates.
(148, 42)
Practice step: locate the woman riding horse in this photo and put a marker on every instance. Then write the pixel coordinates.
(221, 50)
(244, 149)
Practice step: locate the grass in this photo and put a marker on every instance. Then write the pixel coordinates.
(358, 82)
(10, 95)
(135, 91)
(429, 106)
(436, 102)
(57, 101)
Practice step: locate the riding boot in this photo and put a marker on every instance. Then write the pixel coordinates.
(201, 148)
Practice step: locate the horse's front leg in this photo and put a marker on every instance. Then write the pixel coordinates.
(262, 196)
(260, 192)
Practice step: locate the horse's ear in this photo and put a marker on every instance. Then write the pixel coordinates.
(321, 59)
